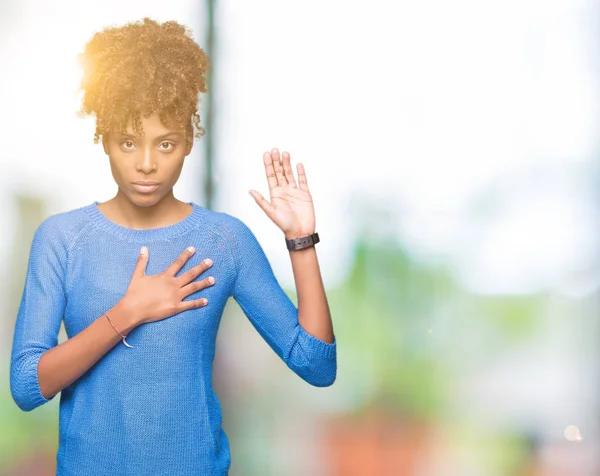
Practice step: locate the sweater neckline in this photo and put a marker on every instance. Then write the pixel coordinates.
(181, 227)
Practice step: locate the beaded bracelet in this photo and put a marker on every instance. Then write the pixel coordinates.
(106, 314)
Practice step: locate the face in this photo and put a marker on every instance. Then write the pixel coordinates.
(155, 157)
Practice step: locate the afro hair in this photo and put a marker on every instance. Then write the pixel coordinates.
(140, 69)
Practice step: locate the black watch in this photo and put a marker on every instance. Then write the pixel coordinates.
(304, 242)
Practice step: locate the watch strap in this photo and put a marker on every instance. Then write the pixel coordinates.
(303, 242)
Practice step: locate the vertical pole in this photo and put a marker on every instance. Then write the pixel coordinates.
(210, 123)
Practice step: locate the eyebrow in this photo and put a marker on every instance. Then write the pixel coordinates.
(169, 134)
(159, 138)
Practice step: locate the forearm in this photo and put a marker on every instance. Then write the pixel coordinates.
(313, 309)
(62, 365)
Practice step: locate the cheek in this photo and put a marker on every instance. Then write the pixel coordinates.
(116, 168)
(174, 170)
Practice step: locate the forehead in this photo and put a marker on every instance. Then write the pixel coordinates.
(152, 126)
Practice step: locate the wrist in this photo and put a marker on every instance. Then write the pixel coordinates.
(290, 235)
(124, 317)
(302, 242)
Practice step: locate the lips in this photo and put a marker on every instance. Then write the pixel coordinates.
(145, 187)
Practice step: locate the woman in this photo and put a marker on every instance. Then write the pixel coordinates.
(141, 280)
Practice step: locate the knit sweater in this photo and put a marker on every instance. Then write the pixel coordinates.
(150, 410)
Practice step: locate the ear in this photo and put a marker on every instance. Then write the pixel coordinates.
(188, 148)
(105, 143)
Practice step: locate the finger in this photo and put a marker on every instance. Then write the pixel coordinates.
(176, 266)
(262, 202)
(269, 170)
(281, 180)
(193, 273)
(197, 286)
(303, 184)
(287, 168)
(194, 304)
(142, 263)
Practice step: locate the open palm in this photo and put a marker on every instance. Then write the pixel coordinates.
(291, 206)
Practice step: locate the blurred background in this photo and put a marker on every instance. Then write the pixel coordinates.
(452, 153)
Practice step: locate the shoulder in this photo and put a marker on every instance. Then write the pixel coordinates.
(231, 226)
(234, 231)
(61, 229)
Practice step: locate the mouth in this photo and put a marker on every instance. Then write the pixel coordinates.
(145, 187)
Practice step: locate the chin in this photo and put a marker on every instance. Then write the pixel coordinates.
(144, 199)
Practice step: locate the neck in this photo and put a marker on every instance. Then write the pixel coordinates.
(121, 210)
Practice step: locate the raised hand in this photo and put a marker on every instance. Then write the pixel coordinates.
(156, 297)
(291, 206)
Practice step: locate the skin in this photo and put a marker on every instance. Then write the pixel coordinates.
(159, 155)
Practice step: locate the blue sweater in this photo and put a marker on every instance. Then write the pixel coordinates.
(149, 410)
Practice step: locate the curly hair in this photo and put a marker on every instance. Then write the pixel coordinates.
(140, 69)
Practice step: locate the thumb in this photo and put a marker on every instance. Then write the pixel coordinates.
(142, 263)
(262, 202)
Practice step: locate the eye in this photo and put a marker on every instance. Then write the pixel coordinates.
(127, 144)
(166, 145)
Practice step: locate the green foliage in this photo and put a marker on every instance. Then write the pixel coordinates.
(23, 430)
(515, 316)
(395, 321)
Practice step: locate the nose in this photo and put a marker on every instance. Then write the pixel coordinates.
(146, 162)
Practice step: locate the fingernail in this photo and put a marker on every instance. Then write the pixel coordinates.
(211, 280)
(143, 250)
(208, 261)
(191, 249)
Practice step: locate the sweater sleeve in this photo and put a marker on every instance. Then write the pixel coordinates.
(39, 316)
(274, 315)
